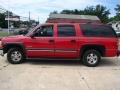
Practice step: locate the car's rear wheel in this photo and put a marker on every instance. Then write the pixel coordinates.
(15, 56)
(91, 58)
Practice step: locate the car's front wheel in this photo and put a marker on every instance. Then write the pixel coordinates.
(15, 56)
(91, 58)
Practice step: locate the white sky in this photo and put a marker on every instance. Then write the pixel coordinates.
(42, 8)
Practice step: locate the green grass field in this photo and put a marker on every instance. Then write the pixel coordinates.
(2, 34)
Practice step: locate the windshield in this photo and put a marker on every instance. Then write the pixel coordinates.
(32, 30)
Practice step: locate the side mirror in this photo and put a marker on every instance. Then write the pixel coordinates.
(32, 35)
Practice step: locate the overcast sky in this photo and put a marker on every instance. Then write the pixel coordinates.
(42, 8)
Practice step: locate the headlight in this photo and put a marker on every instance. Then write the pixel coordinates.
(0, 44)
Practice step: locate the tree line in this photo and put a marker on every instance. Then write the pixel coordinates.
(4, 23)
(16, 24)
(99, 10)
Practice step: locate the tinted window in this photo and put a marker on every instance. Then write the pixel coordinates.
(66, 31)
(97, 30)
(45, 31)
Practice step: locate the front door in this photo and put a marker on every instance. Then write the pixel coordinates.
(42, 44)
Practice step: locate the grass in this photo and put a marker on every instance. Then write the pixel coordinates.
(2, 34)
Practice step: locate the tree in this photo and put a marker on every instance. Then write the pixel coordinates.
(117, 9)
(117, 17)
(3, 23)
(67, 12)
(54, 12)
(101, 11)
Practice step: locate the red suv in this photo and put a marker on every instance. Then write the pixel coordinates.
(86, 42)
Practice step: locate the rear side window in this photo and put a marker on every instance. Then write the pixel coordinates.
(66, 30)
(97, 30)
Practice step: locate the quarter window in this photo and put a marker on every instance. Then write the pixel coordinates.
(97, 30)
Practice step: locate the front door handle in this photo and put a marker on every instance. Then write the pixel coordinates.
(51, 41)
(73, 41)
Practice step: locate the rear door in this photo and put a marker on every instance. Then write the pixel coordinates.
(66, 41)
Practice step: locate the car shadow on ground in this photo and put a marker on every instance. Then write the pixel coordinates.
(109, 62)
(104, 62)
(55, 62)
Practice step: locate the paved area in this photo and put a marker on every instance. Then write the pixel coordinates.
(60, 75)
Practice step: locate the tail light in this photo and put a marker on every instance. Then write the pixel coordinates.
(118, 44)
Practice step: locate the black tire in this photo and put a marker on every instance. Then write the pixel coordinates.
(91, 58)
(19, 56)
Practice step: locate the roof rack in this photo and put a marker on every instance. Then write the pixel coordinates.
(67, 18)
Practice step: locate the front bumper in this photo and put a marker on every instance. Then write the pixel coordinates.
(1, 52)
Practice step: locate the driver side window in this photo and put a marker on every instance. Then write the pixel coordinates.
(44, 31)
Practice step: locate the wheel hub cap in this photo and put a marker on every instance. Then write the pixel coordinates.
(16, 56)
(92, 58)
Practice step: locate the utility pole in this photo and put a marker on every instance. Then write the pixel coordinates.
(29, 20)
(8, 20)
(8, 23)
(38, 20)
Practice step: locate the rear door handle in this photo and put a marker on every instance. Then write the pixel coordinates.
(51, 41)
(73, 41)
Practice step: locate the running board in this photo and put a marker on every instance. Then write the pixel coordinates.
(53, 59)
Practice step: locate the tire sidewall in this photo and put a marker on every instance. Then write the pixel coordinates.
(85, 61)
(9, 56)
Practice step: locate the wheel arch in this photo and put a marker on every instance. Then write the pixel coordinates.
(8, 46)
(99, 48)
